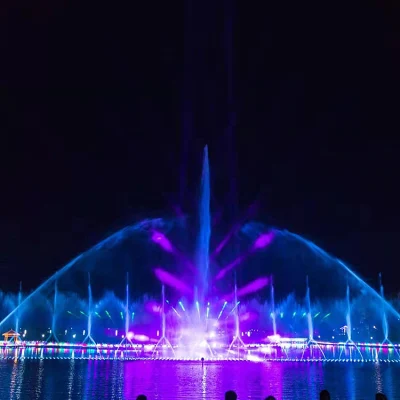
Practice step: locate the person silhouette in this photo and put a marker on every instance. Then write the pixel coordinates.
(270, 398)
(141, 397)
(230, 395)
(380, 396)
(324, 395)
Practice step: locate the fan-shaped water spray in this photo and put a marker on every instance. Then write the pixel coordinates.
(204, 310)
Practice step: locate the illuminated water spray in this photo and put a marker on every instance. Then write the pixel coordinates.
(127, 339)
(205, 228)
(311, 342)
(18, 308)
(163, 342)
(54, 316)
(385, 325)
(309, 316)
(349, 342)
(273, 314)
(237, 340)
(88, 337)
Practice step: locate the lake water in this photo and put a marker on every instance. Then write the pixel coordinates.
(94, 379)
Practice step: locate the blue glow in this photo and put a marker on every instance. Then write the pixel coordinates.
(205, 226)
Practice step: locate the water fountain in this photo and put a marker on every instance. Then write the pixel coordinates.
(53, 334)
(237, 341)
(311, 342)
(385, 325)
(89, 337)
(127, 339)
(211, 322)
(349, 342)
(273, 314)
(163, 342)
(18, 307)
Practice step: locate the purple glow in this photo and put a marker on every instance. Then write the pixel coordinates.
(172, 281)
(225, 241)
(263, 240)
(162, 241)
(141, 338)
(252, 287)
(130, 335)
(230, 266)
(153, 307)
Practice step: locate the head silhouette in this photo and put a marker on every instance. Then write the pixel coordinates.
(141, 397)
(230, 395)
(270, 398)
(324, 395)
(380, 396)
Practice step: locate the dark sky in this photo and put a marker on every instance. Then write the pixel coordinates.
(105, 109)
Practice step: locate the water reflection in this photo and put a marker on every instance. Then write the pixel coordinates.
(82, 379)
(204, 381)
(350, 383)
(71, 378)
(39, 383)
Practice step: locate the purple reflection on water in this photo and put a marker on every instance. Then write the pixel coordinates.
(107, 379)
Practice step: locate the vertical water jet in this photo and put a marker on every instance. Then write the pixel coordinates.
(348, 314)
(385, 324)
(88, 337)
(126, 337)
(273, 316)
(309, 316)
(163, 342)
(54, 316)
(204, 228)
(311, 342)
(349, 342)
(237, 338)
(18, 308)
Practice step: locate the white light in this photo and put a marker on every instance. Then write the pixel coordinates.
(42, 335)
(158, 333)
(116, 332)
(74, 335)
(25, 332)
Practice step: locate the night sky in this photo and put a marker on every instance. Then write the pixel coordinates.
(105, 109)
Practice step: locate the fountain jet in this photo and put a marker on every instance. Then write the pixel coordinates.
(18, 308)
(237, 338)
(349, 342)
(385, 325)
(205, 228)
(273, 316)
(89, 337)
(163, 342)
(126, 337)
(54, 317)
(311, 342)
